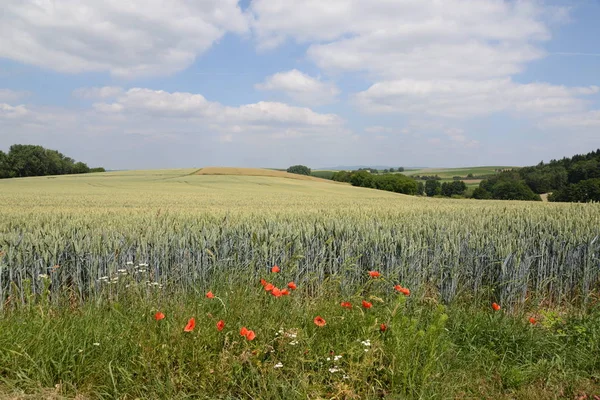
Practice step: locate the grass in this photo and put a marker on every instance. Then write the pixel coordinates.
(223, 233)
(115, 349)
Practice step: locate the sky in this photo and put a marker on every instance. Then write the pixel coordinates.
(148, 84)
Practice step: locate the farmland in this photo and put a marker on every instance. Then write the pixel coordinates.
(93, 257)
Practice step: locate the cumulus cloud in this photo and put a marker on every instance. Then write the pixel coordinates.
(126, 38)
(466, 98)
(301, 87)
(409, 38)
(158, 103)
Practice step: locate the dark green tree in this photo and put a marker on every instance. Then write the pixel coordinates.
(433, 188)
(299, 169)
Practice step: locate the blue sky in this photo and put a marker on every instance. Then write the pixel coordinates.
(271, 83)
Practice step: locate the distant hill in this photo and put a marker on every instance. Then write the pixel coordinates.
(356, 167)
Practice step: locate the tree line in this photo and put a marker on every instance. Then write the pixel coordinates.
(574, 179)
(31, 160)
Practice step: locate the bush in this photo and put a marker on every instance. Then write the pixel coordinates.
(299, 169)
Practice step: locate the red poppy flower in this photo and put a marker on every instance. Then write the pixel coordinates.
(532, 321)
(276, 292)
(366, 304)
(319, 321)
(220, 325)
(285, 292)
(158, 316)
(269, 287)
(495, 306)
(243, 331)
(374, 274)
(292, 286)
(250, 335)
(382, 327)
(403, 290)
(263, 282)
(346, 304)
(275, 269)
(210, 295)
(190, 325)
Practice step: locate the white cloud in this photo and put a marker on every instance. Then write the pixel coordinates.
(9, 96)
(161, 104)
(589, 119)
(468, 98)
(126, 38)
(8, 112)
(97, 92)
(409, 38)
(301, 87)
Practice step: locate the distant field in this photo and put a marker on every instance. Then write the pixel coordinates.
(448, 173)
(254, 172)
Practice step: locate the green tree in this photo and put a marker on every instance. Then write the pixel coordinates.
(433, 188)
(299, 169)
(4, 168)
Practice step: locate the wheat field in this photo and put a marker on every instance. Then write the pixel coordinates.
(189, 227)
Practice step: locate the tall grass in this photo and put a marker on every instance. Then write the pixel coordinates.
(189, 229)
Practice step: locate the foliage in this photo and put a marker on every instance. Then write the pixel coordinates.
(563, 177)
(433, 188)
(299, 169)
(457, 188)
(506, 185)
(29, 160)
(580, 192)
(323, 174)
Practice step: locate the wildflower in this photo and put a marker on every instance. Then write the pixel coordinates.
(276, 292)
(275, 269)
(285, 292)
(243, 331)
(335, 358)
(250, 335)
(278, 365)
(54, 268)
(129, 263)
(293, 342)
(122, 271)
(345, 377)
(269, 287)
(210, 295)
(319, 321)
(42, 276)
(96, 344)
(143, 265)
(333, 370)
(346, 304)
(292, 286)
(532, 321)
(366, 343)
(402, 290)
(374, 274)
(366, 304)
(263, 282)
(190, 325)
(495, 306)
(158, 316)
(220, 325)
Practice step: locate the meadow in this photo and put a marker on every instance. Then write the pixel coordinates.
(89, 264)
